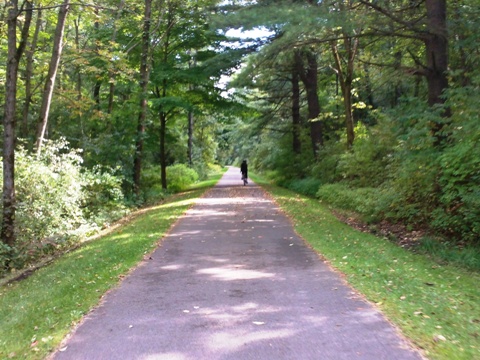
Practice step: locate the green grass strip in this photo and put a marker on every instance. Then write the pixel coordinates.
(38, 312)
(437, 307)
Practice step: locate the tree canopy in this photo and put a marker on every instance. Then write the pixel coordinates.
(369, 105)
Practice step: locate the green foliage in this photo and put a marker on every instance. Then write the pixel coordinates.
(364, 165)
(59, 202)
(49, 198)
(274, 155)
(308, 186)
(103, 199)
(326, 167)
(360, 200)
(446, 252)
(7, 257)
(205, 170)
(459, 173)
(151, 184)
(180, 177)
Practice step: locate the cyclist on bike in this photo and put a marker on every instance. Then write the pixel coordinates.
(244, 171)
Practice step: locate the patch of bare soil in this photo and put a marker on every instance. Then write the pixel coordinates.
(397, 233)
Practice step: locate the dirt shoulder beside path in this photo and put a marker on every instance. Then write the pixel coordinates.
(233, 281)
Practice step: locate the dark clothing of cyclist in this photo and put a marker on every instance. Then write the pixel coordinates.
(244, 168)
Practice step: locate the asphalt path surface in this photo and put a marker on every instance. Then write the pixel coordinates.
(232, 280)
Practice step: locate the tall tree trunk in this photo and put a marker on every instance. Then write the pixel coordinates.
(296, 120)
(163, 95)
(13, 57)
(111, 89)
(78, 67)
(309, 77)
(368, 86)
(345, 76)
(190, 138)
(436, 43)
(461, 37)
(144, 77)
(28, 76)
(163, 153)
(98, 83)
(191, 64)
(52, 74)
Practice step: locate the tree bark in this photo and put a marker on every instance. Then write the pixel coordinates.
(309, 77)
(345, 76)
(111, 89)
(296, 120)
(98, 83)
(78, 67)
(144, 78)
(28, 76)
(52, 74)
(13, 57)
(190, 138)
(435, 39)
(163, 94)
(163, 153)
(191, 64)
(436, 43)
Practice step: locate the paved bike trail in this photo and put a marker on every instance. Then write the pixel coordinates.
(232, 280)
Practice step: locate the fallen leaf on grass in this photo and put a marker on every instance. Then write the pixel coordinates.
(438, 338)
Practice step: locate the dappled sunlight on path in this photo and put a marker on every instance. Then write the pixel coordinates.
(232, 280)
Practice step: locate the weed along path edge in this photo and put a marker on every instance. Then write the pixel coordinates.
(232, 280)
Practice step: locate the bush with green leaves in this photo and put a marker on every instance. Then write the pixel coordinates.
(103, 199)
(459, 170)
(308, 186)
(365, 165)
(151, 185)
(49, 198)
(180, 176)
(363, 201)
(58, 202)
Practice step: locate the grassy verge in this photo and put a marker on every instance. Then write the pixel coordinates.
(37, 313)
(436, 306)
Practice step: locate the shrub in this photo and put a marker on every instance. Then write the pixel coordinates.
(49, 197)
(365, 165)
(57, 202)
(308, 186)
(103, 199)
(204, 170)
(362, 200)
(459, 179)
(326, 168)
(151, 185)
(180, 176)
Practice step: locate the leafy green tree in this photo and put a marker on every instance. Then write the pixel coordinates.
(9, 119)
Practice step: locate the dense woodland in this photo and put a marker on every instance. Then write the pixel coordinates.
(369, 105)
